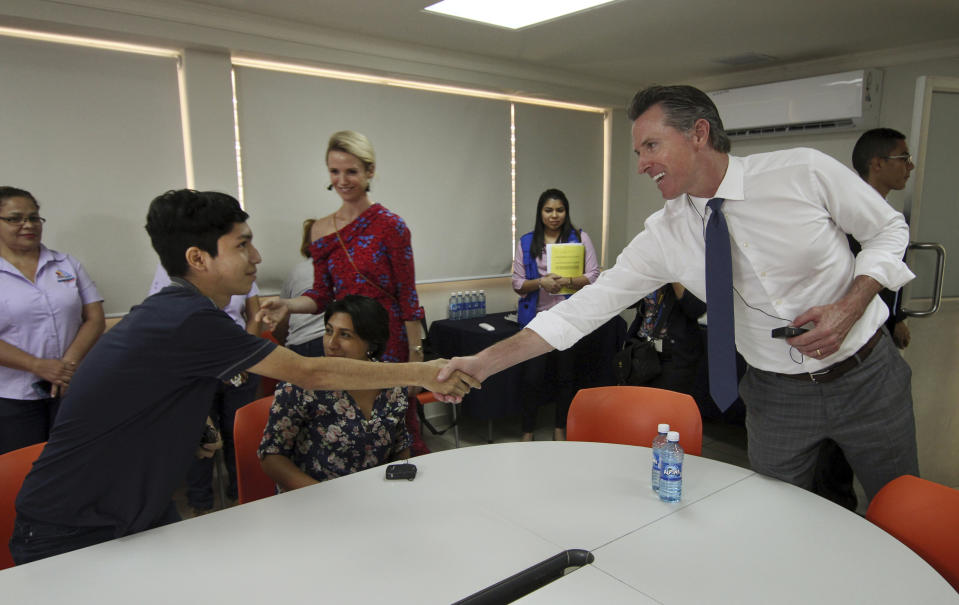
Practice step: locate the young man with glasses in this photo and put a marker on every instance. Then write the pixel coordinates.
(882, 159)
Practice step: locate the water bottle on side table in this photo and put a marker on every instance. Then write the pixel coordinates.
(659, 441)
(471, 304)
(451, 309)
(461, 305)
(671, 469)
(482, 303)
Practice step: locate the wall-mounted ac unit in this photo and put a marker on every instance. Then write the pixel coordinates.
(844, 101)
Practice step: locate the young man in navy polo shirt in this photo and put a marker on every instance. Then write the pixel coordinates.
(134, 415)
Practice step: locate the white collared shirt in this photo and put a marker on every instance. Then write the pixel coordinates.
(788, 213)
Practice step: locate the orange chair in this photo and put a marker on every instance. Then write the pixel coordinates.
(248, 424)
(14, 467)
(630, 415)
(924, 516)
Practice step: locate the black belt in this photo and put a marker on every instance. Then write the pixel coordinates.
(838, 369)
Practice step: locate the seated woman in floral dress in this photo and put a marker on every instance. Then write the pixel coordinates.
(313, 436)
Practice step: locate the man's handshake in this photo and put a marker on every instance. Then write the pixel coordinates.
(449, 385)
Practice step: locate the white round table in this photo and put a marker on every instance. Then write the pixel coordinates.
(474, 516)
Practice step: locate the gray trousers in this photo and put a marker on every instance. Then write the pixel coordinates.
(867, 411)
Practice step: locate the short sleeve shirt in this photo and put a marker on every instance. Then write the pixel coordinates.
(236, 308)
(130, 424)
(41, 317)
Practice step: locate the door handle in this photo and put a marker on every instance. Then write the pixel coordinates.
(937, 283)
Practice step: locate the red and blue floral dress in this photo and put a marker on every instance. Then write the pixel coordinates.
(379, 244)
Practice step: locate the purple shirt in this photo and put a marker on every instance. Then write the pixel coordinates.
(547, 300)
(235, 308)
(41, 318)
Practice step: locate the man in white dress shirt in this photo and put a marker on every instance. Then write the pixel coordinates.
(788, 213)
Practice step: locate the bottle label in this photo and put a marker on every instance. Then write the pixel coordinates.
(672, 471)
(656, 458)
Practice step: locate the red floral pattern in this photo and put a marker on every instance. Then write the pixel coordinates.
(379, 244)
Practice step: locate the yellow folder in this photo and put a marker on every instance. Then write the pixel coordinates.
(567, 260)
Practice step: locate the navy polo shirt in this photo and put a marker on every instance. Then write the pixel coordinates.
(131, 421)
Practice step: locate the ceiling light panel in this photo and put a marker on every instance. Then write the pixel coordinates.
(512, 14)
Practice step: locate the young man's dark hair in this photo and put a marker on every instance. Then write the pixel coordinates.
(683, 105)
(875, 143)
(180, 219)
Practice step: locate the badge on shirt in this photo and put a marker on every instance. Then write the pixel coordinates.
(63, 276)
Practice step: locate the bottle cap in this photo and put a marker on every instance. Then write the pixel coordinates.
(673, 436)
(663, 428)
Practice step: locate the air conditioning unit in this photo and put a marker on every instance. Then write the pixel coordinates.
(843, 101)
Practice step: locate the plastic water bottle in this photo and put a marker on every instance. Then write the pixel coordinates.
(482, 303)
(671, 469)
(455, 306)
(460, 305)
(659, 441)
(474, 304)
(470, 304)
(451, 309)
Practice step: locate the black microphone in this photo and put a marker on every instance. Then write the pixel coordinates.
(329, 187)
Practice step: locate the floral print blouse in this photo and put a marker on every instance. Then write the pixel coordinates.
(326, 435)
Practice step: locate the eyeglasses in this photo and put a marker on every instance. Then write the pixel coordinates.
(906, 156)
(21, 220)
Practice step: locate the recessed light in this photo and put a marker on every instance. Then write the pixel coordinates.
(512, 14)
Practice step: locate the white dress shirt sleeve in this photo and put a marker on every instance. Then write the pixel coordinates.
(859, 210)
(639, 269)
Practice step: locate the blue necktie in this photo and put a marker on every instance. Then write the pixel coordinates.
(720, 327)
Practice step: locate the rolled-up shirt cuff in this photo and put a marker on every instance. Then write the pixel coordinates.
(891, 272)
(555, 330)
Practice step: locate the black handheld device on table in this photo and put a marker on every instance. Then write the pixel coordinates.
(401, 471)
(788, 332)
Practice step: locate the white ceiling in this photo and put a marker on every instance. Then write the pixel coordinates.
(635, 42)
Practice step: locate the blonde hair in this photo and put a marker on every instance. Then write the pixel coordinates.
(355, 144)
(305, 244)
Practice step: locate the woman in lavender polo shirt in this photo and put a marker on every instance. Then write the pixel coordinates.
(50, 316)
